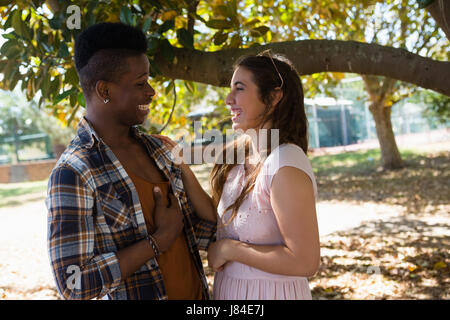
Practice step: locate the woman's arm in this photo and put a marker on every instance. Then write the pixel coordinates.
(292, 198)
(201, 201)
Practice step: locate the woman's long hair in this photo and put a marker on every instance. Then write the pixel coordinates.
(288, 116)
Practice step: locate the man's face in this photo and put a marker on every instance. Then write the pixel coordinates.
(131, 94)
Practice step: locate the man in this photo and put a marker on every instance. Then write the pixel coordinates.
(108, 234)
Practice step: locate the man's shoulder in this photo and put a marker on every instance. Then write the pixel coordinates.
(157, 146)
(76, 158)
(155, 141)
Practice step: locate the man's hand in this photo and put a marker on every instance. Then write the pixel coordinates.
(168, 220)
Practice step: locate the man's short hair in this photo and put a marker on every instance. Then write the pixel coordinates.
(101, 50)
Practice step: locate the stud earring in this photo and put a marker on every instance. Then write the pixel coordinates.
(106, 100)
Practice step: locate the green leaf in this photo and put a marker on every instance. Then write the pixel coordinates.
(13, 81)
(185, 38)
(30, 88)
(10, 48)
(18, 24)
(232, 7)
(154, 70)
(152, 45)
(222, 10)
(167, 25)
(47, 48)
(71, 77)
(45, 84)
(169, 88)
(54, 86)
(73, 99)
(72, 114)
(91, 20)
(190, 86)
(80, 99)
(235, 41)
(167, 50)
(220, 38)
(219, 24)
(251, 22)
(56, 22)
(424, 3)
(63, 51)
(91, 6)
(64, 95)
(9, 35)
(125, 15)
(260, 31)
(3, 64)
(155, 3)
(147, 24)
(134, 20)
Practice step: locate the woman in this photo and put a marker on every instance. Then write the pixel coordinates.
(267, 239)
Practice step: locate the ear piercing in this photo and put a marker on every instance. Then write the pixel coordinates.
(106, 100)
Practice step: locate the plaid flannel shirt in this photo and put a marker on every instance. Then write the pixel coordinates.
(94, 211)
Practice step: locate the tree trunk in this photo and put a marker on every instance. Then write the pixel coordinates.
(440, 11)
(390, 156)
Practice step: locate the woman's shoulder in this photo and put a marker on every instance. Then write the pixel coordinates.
(288, 155)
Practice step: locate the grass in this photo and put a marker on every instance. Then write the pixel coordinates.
(423, 182)
(359, 161)
(13, 194)
(344, 176)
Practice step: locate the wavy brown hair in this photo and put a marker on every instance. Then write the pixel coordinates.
(288, 116)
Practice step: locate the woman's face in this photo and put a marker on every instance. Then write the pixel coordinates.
(132, 94)
(246, 106)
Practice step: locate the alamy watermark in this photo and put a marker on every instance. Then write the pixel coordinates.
(74, 280)
(192, 151)
(74, 19)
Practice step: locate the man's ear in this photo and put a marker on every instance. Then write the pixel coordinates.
(102, 90)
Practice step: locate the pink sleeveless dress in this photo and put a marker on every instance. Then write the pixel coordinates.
(256, 223)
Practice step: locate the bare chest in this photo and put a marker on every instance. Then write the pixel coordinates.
(135, 158)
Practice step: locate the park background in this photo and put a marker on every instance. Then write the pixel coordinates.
(376, 81)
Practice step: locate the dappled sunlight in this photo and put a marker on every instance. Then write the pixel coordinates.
(422, 186)
(384, 235)
(386, 260)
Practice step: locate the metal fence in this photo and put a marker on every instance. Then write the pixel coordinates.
(15, 149)
(343, 122)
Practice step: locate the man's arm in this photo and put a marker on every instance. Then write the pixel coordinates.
(79, 274)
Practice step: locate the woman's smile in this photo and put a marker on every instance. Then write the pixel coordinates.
(237, 112)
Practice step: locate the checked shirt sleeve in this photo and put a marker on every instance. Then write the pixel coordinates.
(78, 271)
(205, 231)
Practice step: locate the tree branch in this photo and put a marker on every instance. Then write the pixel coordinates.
(192, 9)
(53, 5)
(314, 56)
(173, 108)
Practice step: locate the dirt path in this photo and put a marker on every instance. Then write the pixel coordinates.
(25, 271)
(24, 265)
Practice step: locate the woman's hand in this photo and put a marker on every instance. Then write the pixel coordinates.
(166, 140)
(171, 145)
(219, 254)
